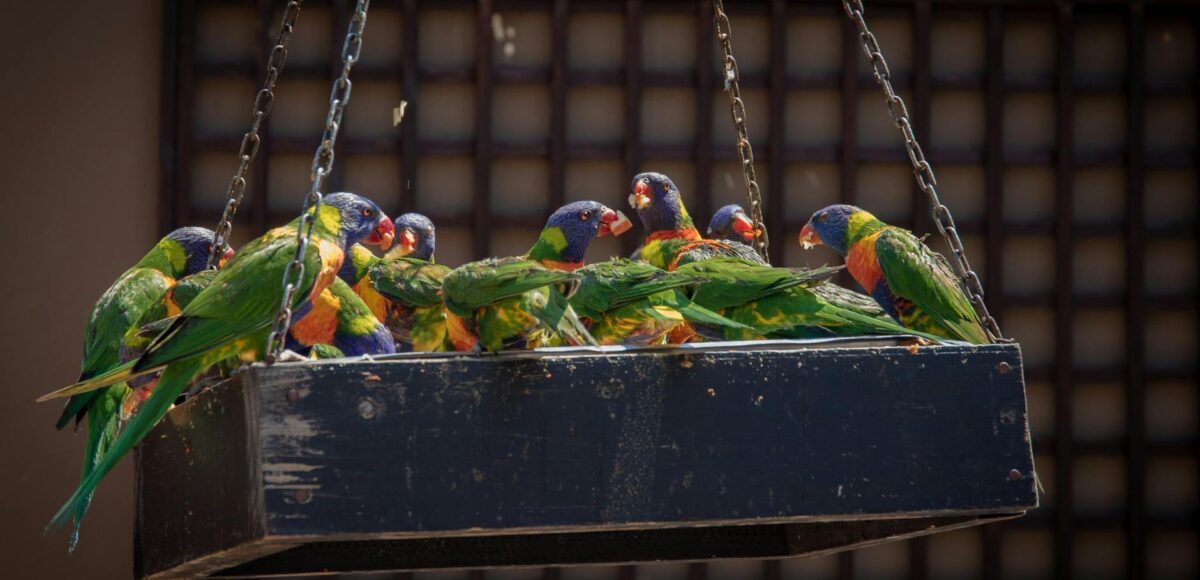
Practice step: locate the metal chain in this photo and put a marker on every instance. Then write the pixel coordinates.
(322, 164)
(738, 109)
(923, 171)
(250, 141)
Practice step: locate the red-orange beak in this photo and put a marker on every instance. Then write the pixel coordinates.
(383, 235)
(225, 258)
(742, 225)
(640, 198)
(809, 237)
(407, 241)
(613, 223)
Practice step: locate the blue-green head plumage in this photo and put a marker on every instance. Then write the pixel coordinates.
(357, 219)
(731, 224)
(571, 229)
(838, 226)
(416, 237)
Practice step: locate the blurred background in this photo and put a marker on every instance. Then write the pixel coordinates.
(1064, 135)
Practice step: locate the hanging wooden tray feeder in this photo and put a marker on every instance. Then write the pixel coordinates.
(583, 456)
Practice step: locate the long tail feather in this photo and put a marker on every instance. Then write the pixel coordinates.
(571, 328)
(173, 381)
(116, 375)
(103, 425)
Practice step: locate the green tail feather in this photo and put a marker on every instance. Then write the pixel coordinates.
(104, 421)
(570, 327)
(174, 380)
(116, 375)
(694, 312)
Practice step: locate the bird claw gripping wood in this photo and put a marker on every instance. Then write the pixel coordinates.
(322, 164)
(923, 171)
(251, 141)
(737, 108)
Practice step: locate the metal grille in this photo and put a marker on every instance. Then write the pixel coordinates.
(1065, 135)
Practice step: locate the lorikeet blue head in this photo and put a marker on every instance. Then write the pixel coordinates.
(195, 244)
(361, 220)
(415, 237)
(658, 203)
(570, 231)
(836, 226)
(731, 223)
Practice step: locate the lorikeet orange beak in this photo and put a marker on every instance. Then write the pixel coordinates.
(640, 198)
(742, 225)
(613, 223)
(407, 241)
(808, 237)
(225, 257)
(383, 235)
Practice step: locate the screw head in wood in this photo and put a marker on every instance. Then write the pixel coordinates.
(1014, 475)
(1003, 368)
(303, 495)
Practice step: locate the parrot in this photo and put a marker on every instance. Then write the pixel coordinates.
(778, 302)
(671, 236)
(404, 288)
(634, 303)
(415, 238)
(522, 301)
(731, 224)
(182, 252)
(911, 282)
(339, 318)
(232, 317)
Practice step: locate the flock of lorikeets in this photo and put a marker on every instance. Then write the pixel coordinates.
(169, 320)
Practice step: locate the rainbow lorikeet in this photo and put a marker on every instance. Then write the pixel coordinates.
(182, 252)
(731, 224)
(339, 318)
(522, 301)
(628, 302)
(778, 302)
(232, 317)
(405, 287)
(912, 283)
(671, 237)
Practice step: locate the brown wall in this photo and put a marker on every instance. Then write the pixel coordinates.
(80, 170)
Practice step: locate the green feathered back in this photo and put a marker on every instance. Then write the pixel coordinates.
(410, 281)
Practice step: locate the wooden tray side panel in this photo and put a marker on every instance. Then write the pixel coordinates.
(199, 482)
(460, 446)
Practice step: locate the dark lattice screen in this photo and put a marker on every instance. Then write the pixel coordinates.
(1064, 135)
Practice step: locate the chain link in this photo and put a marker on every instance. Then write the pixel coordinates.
(322, 164)
(251, 141)
(922, 171)
(738, 110)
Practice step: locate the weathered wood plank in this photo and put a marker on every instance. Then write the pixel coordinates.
(367, 455)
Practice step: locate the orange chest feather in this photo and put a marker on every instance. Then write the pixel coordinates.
(862, 263)
(331, 261)
(374, 300)
(319, 325)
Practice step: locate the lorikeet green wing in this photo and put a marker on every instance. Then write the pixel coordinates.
(918, 274)
(510, 299)
(631, 302)
(416, 314)
(735, 282)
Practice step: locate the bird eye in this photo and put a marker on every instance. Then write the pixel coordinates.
(585, 215)
(366, 212)
(824, 218)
